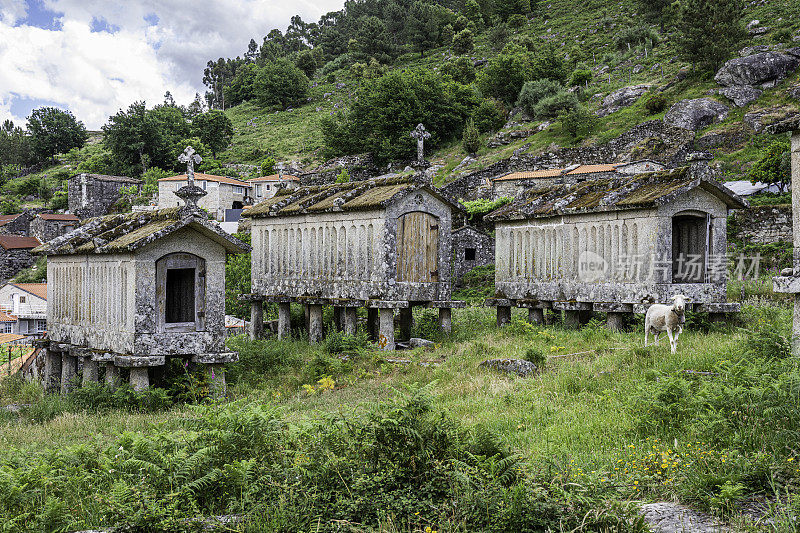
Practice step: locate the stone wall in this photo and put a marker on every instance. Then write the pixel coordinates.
(13, 261)
(18, 226)
(471, 248)
(360, 167)
(95, 197)
(47, 230)
(763, 224)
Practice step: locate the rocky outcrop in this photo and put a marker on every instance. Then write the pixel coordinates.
(764, 69)
(503, 138)
(668, 517)
(519, 367)
(761, 118)
(741, 95)
(621, 98)
(695, 114)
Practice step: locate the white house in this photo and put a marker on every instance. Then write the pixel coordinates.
(23, 308)
(266, 186)
(225, 197)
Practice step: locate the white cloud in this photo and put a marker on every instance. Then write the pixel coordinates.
(94, 74)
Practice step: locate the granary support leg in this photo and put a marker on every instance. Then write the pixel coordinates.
(386, 330)
(406, 318)
(90, 371)
(112, 375)
(256, 319)
(350, 320)
(446, 319)
(315, 323)
(69, 371)
(572, 319)
(536, 315)
(503, 315)
(52, 370)
(140, 378)
(284, 321)
(372, 323)
(615, 321)
(216, 375)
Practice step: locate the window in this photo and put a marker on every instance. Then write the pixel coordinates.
(22, 299)
(41, 326)
(267, 187)
(258, 190)
(203, 185)
(469, 254)
(6, 327)
(179, 305)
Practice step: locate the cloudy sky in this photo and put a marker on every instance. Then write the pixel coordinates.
(95, 57)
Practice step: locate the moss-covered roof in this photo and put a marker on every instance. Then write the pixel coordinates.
(612, 194)
(128, 232)
(335, 197)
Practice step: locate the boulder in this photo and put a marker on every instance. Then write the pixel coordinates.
(741, 95)
(761, 118)
(416, 342)
(620, 98)
(519, 367)
(763, 69)
(668, 517)
(695, 114)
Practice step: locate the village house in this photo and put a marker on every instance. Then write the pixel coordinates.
(92, 195)
(23, 308)
(383, 244)
(17, 224)
(224, 200)
(266, 186)
(48, 226)
(16, 254)
(471, 248)
(515, 183)
(611, 245)
(131, 290)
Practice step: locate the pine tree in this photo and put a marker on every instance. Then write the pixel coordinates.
(708, 30)
(471, 141)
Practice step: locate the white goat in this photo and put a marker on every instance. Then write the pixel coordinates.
(669, 318)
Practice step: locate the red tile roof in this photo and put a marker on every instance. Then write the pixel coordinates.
(208, 177)
(589, 169)
(16, 242)
(274, 177)
(5, 317)
(551, 173)
(58, 216)
(37, 289)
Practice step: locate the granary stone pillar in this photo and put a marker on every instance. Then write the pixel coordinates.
(406, 319)
(69, 371)
(536, 315)
(284, 321)
(315, 323)
(503, 315)
(372, 323)
(615, 321)
(446, 319)
(386, 329)
(216, 379)
(112, 375)
(90, 371)
(350, 320)
(52, 370)
(256, 319)
(789, 280)
(139, 378)
(338, 317)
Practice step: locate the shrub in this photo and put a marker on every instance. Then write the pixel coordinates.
(517, 21)
(463, 42)
(341, 62)
(580, 77)
(498, 36)
(577, 121)
(552, 106)
(337, 342)
(782, 35)
(536, 356)
(636, 35)
(268, 166)
(655, 102)
(534, 91)
(343, 176)
(471, 141)
(477, 208)
(460, 69)
(280, 83)
(489, 116)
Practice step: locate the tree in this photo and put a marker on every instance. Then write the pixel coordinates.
(305, 61)
(471, 140)
(446, 35)
(421, 27)
(214, 129)
(280, 83)
(773, 166)
(490, 115)
(708, 30)
(53, 131)
(461, 69)
(655, 10)
(473, 12)
(463, 43)
(504, 75)
(242, 86)
(252, 51)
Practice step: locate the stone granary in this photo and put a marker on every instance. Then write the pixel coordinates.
(129, 291)
(383, 244)
(48, 226)
(611, 245)
(471, 248)
(17, 224)
(92, 195)
(16, 254)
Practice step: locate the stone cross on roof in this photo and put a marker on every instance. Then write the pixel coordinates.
(190, 157)
(190, 193)
(420, 134)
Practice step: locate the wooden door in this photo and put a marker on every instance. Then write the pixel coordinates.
(418, 248)
(181, 292)
(689, 248)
